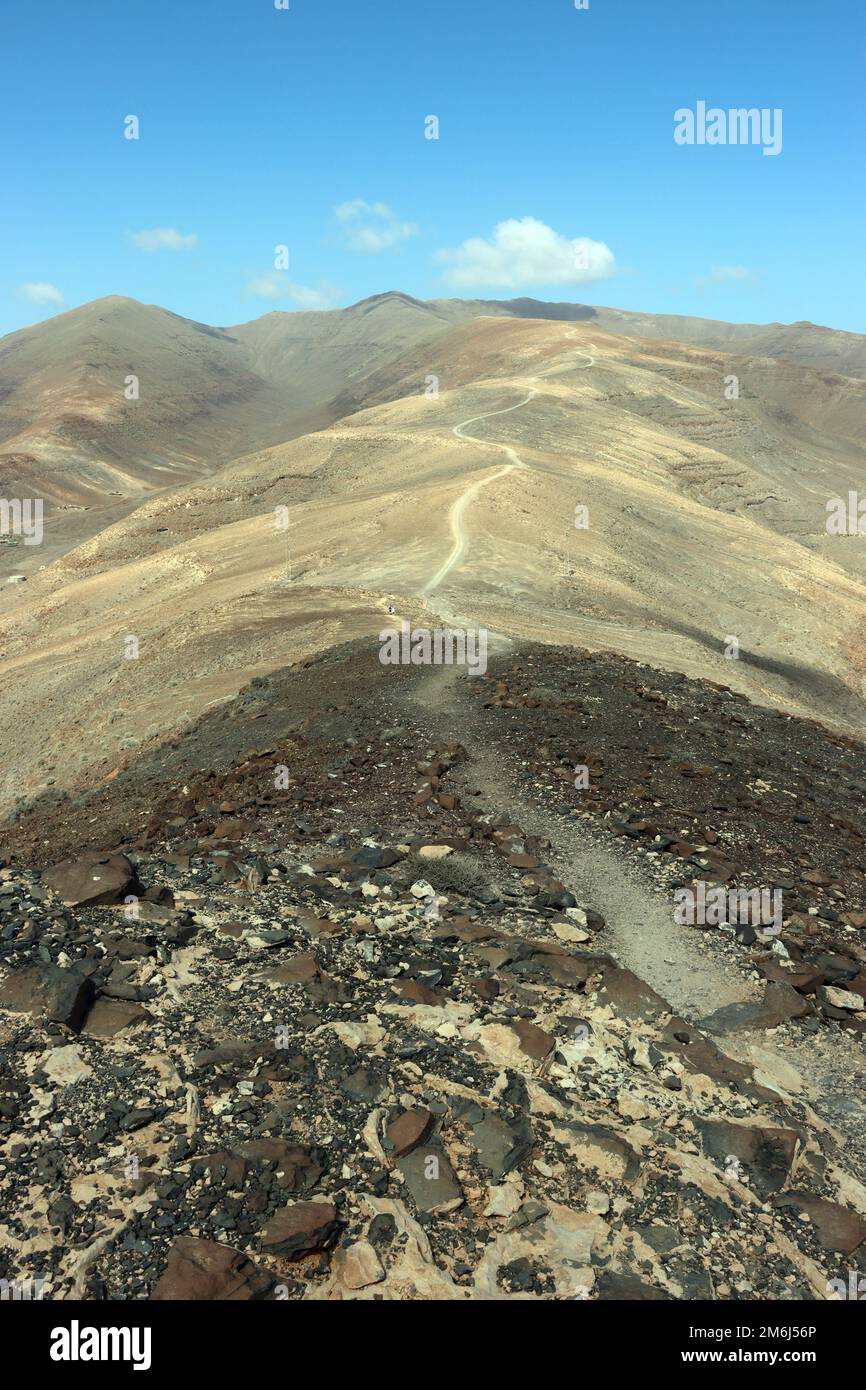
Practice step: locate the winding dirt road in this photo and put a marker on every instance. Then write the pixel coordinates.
(640, 926)
(455, 515)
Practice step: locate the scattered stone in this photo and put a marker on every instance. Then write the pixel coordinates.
(408, 1131)
(837, 1227)
(65, 1066)
(780, 1004)
(92, 879)
(299, 1229)
(109, 1017)
(202, 1270)
(500, 1146)
(430, 1179)
(358, 1265)
(840, 998)
(534, 1041)
(50, 991)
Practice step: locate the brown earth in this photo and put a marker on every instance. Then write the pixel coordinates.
(706, 522)
(378, 987)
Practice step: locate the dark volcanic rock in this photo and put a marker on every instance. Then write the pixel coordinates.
(110, 1016)
(54, 993)
(500, 1146)
(766, 1155)
(296, 1169)
(628, 995)
(409, 1130)
(626, 1288)
(106, 878)
(204, 1270)
(297, 1230)
(780, 1003)
(838, 1228)
(534, 1041)
(430, 1179)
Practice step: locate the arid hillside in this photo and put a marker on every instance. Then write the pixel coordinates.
(565, 485)
(114, 401)
(809, 344)
(109, 403)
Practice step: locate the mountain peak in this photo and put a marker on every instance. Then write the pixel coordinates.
(389, 297)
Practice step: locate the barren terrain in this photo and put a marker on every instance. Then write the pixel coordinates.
(704, 521)
(327, 979)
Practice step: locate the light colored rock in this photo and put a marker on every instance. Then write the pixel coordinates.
(501, 1045)
(597, 1202)
(593, 1153)
(841, 998)
(770, 1069)
(447, 1030)
(632, 1106)
(565, 932)
(637, 1052)
(371, 1134)
(431, 1018)
(90, 1186)
(359, 1265)
(576, 915)
(422, 889)
(503, 1200)
(65, 1065)
(355, 1034)
(563, 1240)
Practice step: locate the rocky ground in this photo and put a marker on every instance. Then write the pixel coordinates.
(328, 998)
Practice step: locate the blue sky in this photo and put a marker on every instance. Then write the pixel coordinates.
(306, 128)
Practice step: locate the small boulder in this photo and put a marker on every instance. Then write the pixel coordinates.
(205, 1271)
(299, 1229)
(92, 880)
(51, 992)
(408, 1131)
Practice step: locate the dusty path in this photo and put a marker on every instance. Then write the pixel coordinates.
(640, 932)
(640, 929)
(684, 966)
(455, 516)
(554, 371)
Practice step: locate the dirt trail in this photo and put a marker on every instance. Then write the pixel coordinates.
(557, 371)
(455, 517)
(640, 932)
(640, 929)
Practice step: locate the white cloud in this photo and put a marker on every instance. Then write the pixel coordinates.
(274, 286)
(40, 292)
(726, 275)
(163, 239)
(372, 227)
(523, 252)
